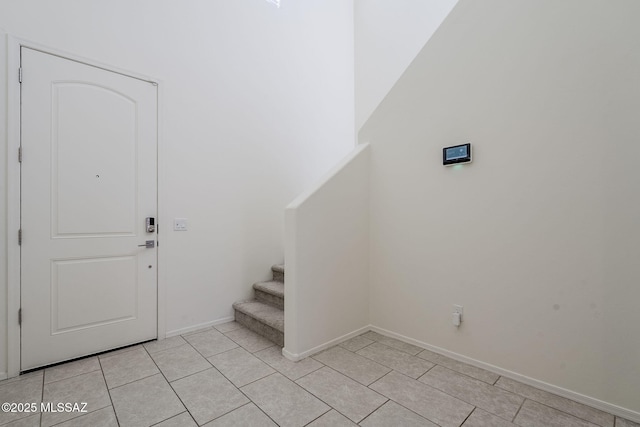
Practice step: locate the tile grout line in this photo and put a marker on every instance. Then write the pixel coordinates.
(331, 406)
(556, 409)
(391, 367)
(251, 400)
(228, 379)
(400, 404)
(462, 400)
(322, 365)
(41, 399)
(468, 416)
(89, 412)
(177, 415)
(518, 411)
(225, 377)
(323, 414)
(568, 414)
(108, 392)
(170, 385)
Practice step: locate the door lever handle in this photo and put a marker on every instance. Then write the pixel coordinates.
(149, 244)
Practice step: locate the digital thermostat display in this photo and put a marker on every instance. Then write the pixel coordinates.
(456, 154)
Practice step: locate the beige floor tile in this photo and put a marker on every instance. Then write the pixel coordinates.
(208, 395)
(463, 368)
(347, 396)
(354, 366)
(249, 340)
(285, 402)
(180, 420)
(247, 415)
(400, 361)
(145, 402)
(71, 369)
(102, 418)
(392, 342)
(480, 418)
(332, 419)
(534, 414)
(30, 421)
(229, 326)
(165, 344)
(292, 370)
(571, 407)
(196, 331)
(478, 393)
(422, 399)
(240, 367)
(621, 422)
(23, 389)
(38, 373)
(179, 362)
(356, 343)
(86, 388)
(210, 342)
(392, 414)
(127, 367)
(120, 351)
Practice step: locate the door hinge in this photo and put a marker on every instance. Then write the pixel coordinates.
(20, 75)
(20, 316)
(20, 155)
(20, 237)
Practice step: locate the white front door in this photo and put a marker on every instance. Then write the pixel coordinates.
(89, 180)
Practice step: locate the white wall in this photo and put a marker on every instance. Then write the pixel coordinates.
(327, 255)
(258, 104)
(388, 36)
(538, 238)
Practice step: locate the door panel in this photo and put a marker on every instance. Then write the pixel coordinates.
(79, 300)
(93, 179)
(89, 180)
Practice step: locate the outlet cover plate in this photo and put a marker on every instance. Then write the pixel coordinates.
(458, 309)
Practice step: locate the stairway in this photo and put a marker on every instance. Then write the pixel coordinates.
(264, 315)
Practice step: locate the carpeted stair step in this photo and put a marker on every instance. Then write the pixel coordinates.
(263, 319)
(270, 293)
(278, 272)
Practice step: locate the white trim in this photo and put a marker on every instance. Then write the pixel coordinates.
(3, 376)
(297, 357)
(581, 398)
(13, 207)
(162, 220)
(13, 188)
(204, 325)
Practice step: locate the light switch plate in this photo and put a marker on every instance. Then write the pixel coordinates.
(180, 224)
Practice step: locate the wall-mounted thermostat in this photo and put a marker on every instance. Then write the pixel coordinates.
(456, 154)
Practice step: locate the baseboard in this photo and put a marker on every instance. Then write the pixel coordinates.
(297, 357)
(3, 376)
(581, 398)
(198, 326)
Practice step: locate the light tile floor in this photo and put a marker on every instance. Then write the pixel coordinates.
(229, 376)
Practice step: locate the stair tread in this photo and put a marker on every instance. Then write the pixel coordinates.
(265, 313)
(271, 287)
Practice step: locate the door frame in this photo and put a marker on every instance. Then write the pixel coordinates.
(14, 44)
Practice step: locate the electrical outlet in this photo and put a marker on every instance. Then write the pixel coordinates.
(458, 309)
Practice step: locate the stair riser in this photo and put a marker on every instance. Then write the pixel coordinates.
(260, 328)
(267, 298)
(278, 276)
